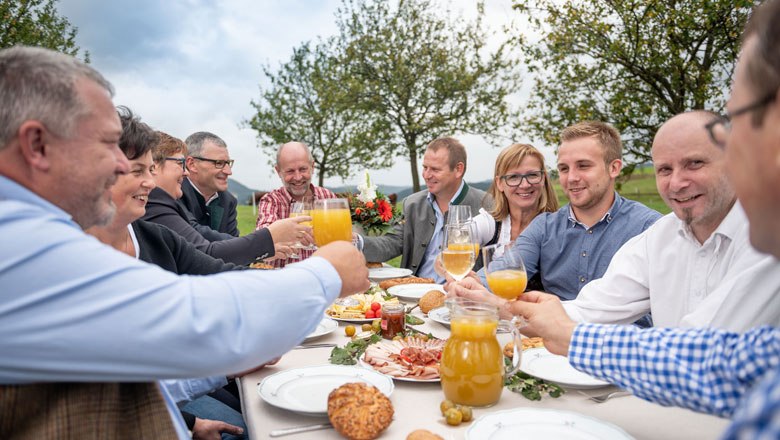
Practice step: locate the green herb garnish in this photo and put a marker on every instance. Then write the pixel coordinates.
(532, 388)
(349, 354)
(413, 320)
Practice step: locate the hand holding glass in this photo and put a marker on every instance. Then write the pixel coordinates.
(505, 271)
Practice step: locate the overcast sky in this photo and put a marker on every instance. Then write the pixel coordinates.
(191, 65)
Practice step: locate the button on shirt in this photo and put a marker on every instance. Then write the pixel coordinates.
(568, 254)
(434, 246)
(722, 282)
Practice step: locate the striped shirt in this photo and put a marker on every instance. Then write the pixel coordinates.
(276, 205)
(712, 371)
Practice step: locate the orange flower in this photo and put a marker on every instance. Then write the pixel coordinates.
(358, 211)
(370, 205)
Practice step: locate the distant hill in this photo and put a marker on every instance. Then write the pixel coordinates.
(240, 191)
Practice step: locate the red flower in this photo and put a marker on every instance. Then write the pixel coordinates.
(370, 205)
(385, 210)
(358, 211)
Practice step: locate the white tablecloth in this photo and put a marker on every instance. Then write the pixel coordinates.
(417, 405)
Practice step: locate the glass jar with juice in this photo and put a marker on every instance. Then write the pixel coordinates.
(472, 363)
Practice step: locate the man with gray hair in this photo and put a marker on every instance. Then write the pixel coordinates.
(204, 192)
(87, 330)
(294, 166)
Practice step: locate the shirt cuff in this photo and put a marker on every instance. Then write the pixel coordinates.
(585, 349)
(327, 275)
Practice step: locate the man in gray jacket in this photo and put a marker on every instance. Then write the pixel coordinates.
(418, 238)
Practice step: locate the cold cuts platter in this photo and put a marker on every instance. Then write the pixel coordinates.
(410, 359)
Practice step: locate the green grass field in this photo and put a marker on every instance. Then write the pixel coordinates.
(641, 187)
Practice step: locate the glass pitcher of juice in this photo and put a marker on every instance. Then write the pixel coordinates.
(472, 363)
(331, 221)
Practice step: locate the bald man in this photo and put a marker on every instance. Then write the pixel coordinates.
(694, 267)
(294, 165)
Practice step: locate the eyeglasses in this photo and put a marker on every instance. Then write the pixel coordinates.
(218, 164)
(180, 160)
(720, 127)
(515, 180)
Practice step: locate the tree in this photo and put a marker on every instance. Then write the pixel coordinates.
(633, 63)
(36, 23)
(306, 102)
(420, 74)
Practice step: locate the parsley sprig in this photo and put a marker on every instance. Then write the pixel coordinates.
(532, 388)
(349, 354)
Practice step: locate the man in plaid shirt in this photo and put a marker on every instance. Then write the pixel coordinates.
(294, 165)
(723, 373)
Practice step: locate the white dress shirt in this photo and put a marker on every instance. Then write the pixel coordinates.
(723, 282)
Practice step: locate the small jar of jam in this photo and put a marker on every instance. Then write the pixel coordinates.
(392, 320)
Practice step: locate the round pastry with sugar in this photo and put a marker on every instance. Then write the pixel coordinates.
(359, 411)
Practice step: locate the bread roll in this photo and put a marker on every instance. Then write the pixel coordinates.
(359, 411)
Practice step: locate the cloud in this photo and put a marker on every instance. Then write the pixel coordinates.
(190, 65)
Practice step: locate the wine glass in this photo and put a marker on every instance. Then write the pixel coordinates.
(504, 270)
(299, 209)
(458, 214)
(457, 255)
(331, 221)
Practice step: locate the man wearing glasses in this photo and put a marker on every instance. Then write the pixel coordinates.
(205, 190)
(574, 245)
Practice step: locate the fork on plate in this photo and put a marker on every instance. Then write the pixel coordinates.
(601, 398)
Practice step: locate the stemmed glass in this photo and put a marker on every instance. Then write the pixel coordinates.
(331, 221)
(457, 255)
(458, 214)
(300, 209)
(504, 270)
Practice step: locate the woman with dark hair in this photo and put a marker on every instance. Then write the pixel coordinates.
(159, 245)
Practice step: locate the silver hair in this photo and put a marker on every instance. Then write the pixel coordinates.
(40, 84)
(305, 147)
(195, 142)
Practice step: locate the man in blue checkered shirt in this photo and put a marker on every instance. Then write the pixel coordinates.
(713, 371)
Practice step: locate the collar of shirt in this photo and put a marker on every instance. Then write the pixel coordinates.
(606, 217)
(211, 199)
(725, 232)
(10, 190)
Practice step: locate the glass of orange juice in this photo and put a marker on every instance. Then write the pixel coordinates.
(301, 209)
(504, 270)
(458, 250)
(472, 362)
(331, 221)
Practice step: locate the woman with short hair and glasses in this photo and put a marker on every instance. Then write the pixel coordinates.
(521, 190)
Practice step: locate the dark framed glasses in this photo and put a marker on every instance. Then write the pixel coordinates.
(180, 160)
(514, 180)
(219, 164)
(720, 127)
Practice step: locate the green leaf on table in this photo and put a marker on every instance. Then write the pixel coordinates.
(349, 354)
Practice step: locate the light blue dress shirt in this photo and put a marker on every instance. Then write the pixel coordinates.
(568, 254)
(73, 309)
(434, 246)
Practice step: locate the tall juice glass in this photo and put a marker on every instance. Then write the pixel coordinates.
(504, 271)
(331, 221)
(457, 255)
(472, 364)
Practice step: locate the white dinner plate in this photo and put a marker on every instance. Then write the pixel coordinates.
(440, 315)
(305, 390)
(365, 364)
(536, 423)
(539, 362)
(385, 273)
(325, 326)
(358, 320)
(413, 292)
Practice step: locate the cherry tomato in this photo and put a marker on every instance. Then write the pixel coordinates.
(378, 313)
(370, 314)
(375, 306)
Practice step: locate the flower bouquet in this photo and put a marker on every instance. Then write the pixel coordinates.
(371, 210)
